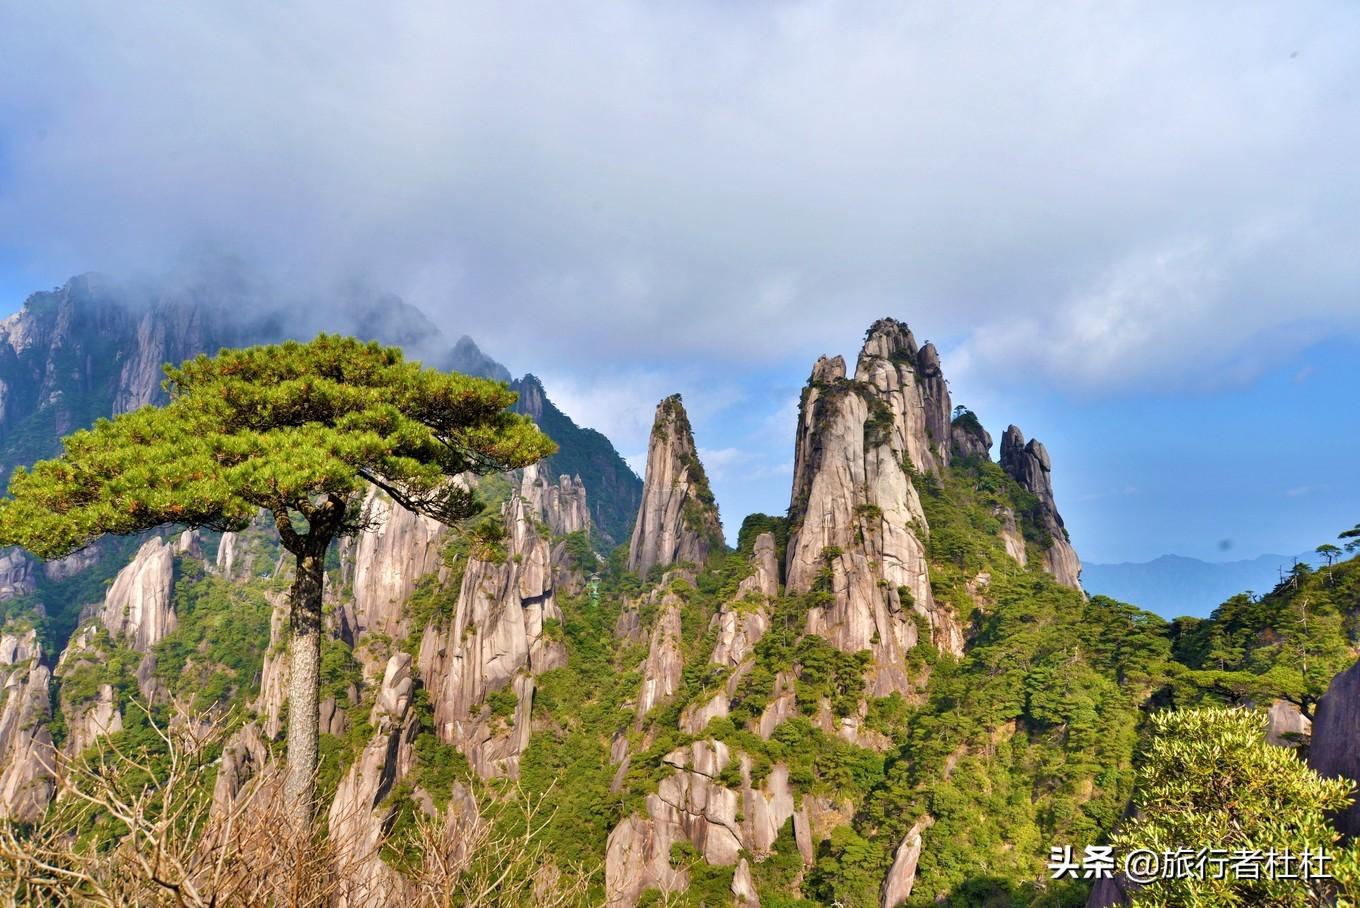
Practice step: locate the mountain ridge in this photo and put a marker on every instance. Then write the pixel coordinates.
(1174, 585)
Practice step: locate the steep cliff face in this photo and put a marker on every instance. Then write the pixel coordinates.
(244, 757)
(225, 560)
(1334, 751)
(857, 521)
(505, 630)
(396, 548)
(665, 661)
(170, 331)
(17, 571)
(358, 816)
(92, 720)
(138, 604)
(1029, 465)
(678, 519)
(692, 805)
(743, 621)
(562, 506)
(274, 674)
(27, 757)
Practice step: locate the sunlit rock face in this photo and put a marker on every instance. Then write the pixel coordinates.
(562, 506)
(138, 605)
(743, 621)
(858, 525)
(1029, 465)
(396, 548)
(505, 630)
(27, 756)
(678, 520)
(692, 805)
(358, 818)
(897, 885)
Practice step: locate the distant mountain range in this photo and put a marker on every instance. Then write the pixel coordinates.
(94, 347)
(1174, 585)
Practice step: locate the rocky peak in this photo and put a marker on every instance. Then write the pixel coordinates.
(1030, 466)
(531, 397)
(967, 437)
(138, 605)
(827, 369)
(855, 512)
(586, 455)
(678, 520)
(888, 338)
(562, 506)
(908, 380)
(468, 358)
(935, 403)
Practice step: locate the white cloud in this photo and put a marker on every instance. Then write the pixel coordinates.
(1098, 196)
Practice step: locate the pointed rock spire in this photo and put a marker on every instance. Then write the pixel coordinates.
(909, 381)
(678, 520)
(855, 512)
(1029, 465)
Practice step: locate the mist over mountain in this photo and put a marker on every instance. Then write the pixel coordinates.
(95, 346)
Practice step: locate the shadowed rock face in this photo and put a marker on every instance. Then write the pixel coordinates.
(856, 515)
(1029, 465)
(16, 574)
(82, 351)
(678, 520)
(1334, 751)
(967, 438)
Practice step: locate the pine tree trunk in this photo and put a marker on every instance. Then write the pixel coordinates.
(304, 685)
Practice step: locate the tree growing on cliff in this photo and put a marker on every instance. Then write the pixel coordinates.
(296, 430)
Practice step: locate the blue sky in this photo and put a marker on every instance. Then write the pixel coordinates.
(1266, 465)
(1130, 229)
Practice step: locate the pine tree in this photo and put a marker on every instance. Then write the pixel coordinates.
(297, 430)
